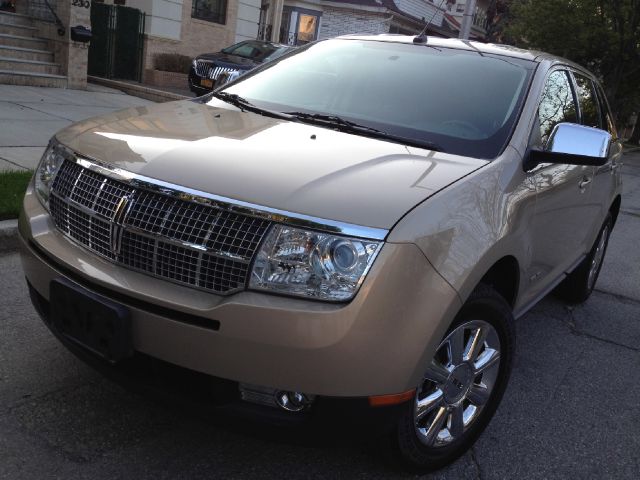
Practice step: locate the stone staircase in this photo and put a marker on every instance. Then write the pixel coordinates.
(25, 58)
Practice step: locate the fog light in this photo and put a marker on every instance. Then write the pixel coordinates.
(293, 401)
(290, 401)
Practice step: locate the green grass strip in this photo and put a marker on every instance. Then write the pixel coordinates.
(12, 187)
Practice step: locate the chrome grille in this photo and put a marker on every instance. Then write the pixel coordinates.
(203, 246)
(207, 69)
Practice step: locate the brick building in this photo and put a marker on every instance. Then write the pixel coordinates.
(191, 27)
(38, 48)
(36, 37)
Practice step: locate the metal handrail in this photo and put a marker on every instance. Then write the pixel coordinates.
(61, 28)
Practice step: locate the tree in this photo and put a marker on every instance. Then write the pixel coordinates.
(604, 36)
(498, 17)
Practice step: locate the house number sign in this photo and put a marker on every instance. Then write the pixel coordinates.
(81, 3)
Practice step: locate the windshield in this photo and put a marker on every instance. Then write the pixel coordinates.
(280, 51)
(257, 51)
(465, 102)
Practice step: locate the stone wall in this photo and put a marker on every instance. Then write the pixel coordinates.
(72, 56)
(78, 52)
(159, 78)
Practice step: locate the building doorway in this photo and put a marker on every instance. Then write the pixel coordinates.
(117, 42)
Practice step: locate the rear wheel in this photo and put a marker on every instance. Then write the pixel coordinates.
(462, 385)
(579, 284)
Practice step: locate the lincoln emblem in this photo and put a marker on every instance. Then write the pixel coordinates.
(117, 222)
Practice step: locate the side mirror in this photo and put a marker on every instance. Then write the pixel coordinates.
(572, 144)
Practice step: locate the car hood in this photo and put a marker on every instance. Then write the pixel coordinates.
(292, 166)
(229, 60)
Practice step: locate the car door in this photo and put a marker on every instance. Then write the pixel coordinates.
(590, 116)
(562, 218)
(607, 178)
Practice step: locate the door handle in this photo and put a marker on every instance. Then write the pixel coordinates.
(583, 183)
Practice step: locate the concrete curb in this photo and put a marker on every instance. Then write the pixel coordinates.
(138, 90)
(8, 235)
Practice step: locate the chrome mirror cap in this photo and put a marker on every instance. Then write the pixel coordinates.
(573, 139)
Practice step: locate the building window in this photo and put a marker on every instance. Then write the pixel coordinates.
(299, 26)
(210, 10)
(307, 27)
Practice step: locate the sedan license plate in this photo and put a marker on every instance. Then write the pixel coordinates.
(90, 320)
(206, 82)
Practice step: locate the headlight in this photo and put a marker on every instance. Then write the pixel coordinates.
(47, 169)
(194, 62)
(312, 264)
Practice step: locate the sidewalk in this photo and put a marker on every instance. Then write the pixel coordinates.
(150, 92)
(29, 116)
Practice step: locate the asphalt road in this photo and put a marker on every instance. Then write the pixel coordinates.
(570, 411)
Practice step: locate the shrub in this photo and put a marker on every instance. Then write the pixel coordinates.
(172, 62)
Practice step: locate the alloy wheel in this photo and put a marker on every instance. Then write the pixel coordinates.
(457, 384)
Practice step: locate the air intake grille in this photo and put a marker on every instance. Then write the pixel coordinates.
(200, 245)
(207, 69)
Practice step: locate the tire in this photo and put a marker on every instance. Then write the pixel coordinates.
(579, 284)
(485, 311)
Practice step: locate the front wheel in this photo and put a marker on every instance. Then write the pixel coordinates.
(462, 385)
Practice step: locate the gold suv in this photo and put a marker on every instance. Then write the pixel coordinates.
(350, 228)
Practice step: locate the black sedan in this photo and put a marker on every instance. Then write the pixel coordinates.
(232, 62)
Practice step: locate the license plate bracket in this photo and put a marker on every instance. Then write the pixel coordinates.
(90, 320)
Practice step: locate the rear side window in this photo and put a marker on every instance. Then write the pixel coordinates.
(588, 99)
(607, 119)
(557, 104)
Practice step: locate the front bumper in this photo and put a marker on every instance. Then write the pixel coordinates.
(220, 399)
(194, 83)
(378, 344)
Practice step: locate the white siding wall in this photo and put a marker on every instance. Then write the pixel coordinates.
(481, 4)
(248, 19)
(164, 17)
(423, 9)
(338, 21)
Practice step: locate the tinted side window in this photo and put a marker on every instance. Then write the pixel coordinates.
(588, 102)
(557, 104)
(607, 118)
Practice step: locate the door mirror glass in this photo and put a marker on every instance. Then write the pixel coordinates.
(572, 144)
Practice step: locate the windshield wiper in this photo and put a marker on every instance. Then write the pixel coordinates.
(348, 126)
(332, 121)
(245, 105)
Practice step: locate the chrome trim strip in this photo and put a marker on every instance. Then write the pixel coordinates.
(236, 206)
